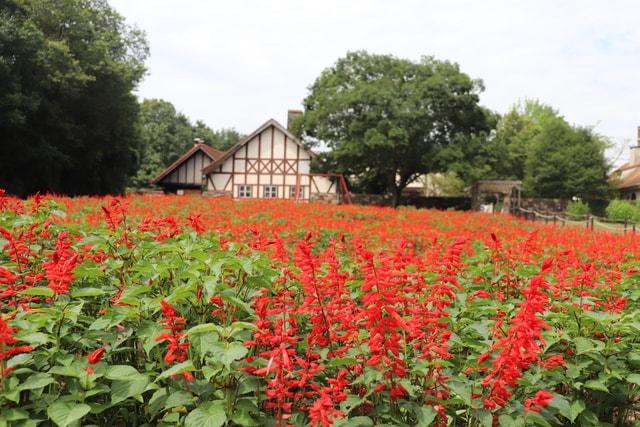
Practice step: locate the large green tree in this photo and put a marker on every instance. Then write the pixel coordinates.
(166, 134)
(564, 161)
(535, 144)
(532, 142)
(386, 119)
(67, 112)
(222, 139)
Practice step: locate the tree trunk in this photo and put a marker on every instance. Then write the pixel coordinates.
(396, 195)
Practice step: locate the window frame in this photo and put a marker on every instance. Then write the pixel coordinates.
(270, 191)
(292, 192)
(245, 191)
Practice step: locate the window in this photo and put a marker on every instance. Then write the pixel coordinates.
(292, 192)
(244, 191)
(270, 191)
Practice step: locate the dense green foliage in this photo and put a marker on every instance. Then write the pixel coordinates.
(533, 143)
(386, 119)
(577, 209)
(177, 311)
(67, 112)
(166, 134)
(623, 210)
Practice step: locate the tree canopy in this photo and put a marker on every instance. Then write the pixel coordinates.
(386, 119)
(532, 142)
(535, 144)
(166, 134)
(68, 114)
(564, 161)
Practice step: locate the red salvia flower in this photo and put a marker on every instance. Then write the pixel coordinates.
(539, 401)
(59, 268)
(177, 343)
(95, 356)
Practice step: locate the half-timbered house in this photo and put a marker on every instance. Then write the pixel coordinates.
(627, 177)
(184, 176)
(270, 163)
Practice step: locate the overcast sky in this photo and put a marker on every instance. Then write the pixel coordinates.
(238, 63)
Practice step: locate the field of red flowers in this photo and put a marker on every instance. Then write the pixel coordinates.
(159, 310)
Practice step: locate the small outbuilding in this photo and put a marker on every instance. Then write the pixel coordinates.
(506, 192)
(184, 176)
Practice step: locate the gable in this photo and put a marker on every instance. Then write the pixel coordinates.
(188, 168)
(268, 141)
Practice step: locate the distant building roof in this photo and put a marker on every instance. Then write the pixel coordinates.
(207, 150)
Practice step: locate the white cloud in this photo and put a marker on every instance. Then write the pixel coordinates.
(237, 63)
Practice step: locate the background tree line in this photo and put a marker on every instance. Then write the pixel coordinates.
(70, 123)
(388, 120)
(165, 134)
(69, 120)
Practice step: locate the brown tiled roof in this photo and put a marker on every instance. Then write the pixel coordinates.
(211, 152)
(631, 181)
(271, 122)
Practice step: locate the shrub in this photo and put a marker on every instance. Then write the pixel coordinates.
(577, 209)
(623, 210)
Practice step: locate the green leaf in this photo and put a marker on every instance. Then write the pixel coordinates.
(37, 381)
(633, 379)
(342, 361)
(148, 334)
(182, 293)
(12, 414)
(122, 390)
(230, 298)
(201, 329)
(245, 413)
(66, 413)
(485, 417)
(576, 408)
(43, 292)
(537, 419)
(561, 404)
(426, 415)
(86, 292)
(462, 390)
(121, 372)
(208, 414)
(35, 338)
(228, 352)
(355, 422)
(596, 385)
(585, 345)
(157, 401)
(187, 365)
(244, 419)
(179, 398)
(506, 421)
(588, 418)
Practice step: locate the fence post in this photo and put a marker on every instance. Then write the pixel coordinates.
(633, 228)
(588, 218)
(625, 226)
(592, 221)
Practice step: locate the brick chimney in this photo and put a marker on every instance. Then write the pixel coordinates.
(635, 151)
(293, 114)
